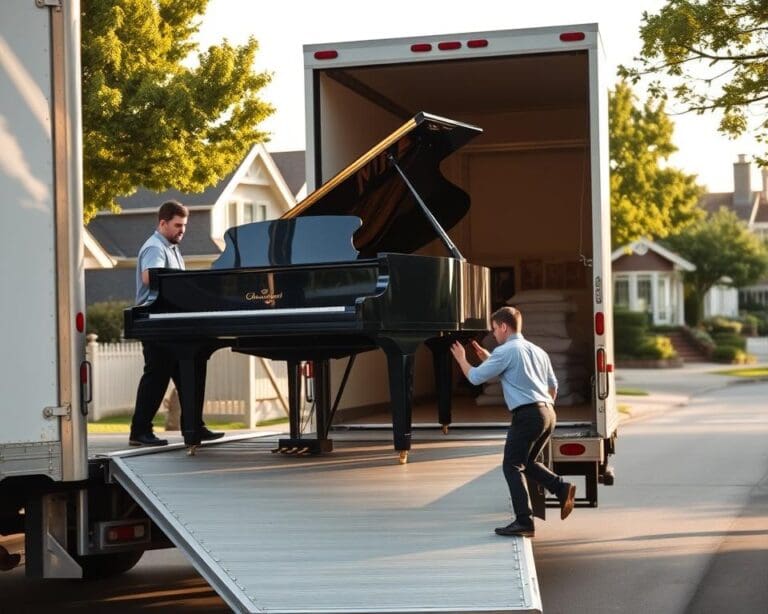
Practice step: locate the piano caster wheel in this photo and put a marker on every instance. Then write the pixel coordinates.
(445, 429)
(403, 457)
(192, 450)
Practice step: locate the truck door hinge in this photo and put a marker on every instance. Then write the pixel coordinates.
(58, 412)
(52, 4)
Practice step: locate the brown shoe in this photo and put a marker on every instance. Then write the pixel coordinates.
(566, 497)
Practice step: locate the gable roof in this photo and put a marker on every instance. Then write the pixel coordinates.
(123, 235)
(641, 246)
(291, 165)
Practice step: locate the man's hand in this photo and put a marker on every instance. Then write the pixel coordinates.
(458, 351)
(481, 352)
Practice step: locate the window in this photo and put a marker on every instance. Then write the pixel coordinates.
(247, 213)
(621, 292)
(644, 293)
(261, 212)
(232, 213)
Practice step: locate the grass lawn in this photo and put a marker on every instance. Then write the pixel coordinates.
(632, 392)
(122, 424)
(746, 372)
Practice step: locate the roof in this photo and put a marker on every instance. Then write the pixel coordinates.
(110, 285)
(641, 246)
(144, 198)
(122, 235)
(291, 165)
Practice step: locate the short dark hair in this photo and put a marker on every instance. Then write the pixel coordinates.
(170, 209)
(509, 316)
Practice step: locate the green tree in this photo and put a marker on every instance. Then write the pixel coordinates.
(714, 56)
(151, 118)
(648, 197)
(720, 246)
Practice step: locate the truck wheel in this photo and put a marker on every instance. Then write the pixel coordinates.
(98, 566)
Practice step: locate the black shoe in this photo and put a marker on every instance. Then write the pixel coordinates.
(517, 529)
(566, 497)
(208, 435)
(147, 439)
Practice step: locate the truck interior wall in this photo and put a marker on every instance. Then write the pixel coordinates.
(528, 179)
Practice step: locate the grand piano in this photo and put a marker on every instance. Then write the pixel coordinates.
(334, 277)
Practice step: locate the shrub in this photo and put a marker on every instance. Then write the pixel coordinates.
(761, 318)
(729, 339)
(729, 354)
(750, 323)
(657, 347)
(722, 325)
(106, 320)
(630, 331)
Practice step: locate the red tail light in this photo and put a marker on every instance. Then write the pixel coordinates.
(80, 322)
(570, 37)
(421, 47)
(599, 323)
(572, 449)
(329, 54)
(449, 45)
(477, 43)
(601, 360)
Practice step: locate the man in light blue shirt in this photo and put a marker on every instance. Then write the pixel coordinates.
(161, 250)
(530, 387)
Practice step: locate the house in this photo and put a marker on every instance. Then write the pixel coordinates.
(751, 207)
(648, 277)
(264, 186)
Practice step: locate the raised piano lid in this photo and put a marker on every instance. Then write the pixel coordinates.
(371, 189)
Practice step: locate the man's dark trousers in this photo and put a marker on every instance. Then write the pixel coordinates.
(531, 428)
(160, 366)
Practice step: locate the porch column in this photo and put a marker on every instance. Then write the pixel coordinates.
(654, 297)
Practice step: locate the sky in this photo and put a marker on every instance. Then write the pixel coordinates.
(282, 27)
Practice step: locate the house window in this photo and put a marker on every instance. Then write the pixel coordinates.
(621, 292)
(247, 213)
(261, 212)
(644, 295)
(232, 213)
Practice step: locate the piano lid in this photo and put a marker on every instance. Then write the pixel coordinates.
(371, 189)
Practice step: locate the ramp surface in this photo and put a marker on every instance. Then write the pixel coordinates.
(352, 531)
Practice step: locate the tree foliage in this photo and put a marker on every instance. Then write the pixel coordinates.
(721, 247)
(715, 54)
(648, 197)
(149, 117)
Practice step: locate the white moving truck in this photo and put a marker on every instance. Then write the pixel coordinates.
(539, 216)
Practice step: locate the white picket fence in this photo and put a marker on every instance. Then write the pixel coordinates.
(238, 387)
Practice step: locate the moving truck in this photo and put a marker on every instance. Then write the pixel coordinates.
(539, 216)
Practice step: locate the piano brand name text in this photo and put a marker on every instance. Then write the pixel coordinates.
(263, 295)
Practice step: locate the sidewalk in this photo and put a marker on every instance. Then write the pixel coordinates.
(669, 388)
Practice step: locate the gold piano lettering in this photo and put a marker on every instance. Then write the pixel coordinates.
(264, 295)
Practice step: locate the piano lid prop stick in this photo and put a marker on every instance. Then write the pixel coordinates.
(425, 210)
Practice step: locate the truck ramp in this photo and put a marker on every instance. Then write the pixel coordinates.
(352, 531)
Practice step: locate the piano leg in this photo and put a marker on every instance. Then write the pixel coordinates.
(294, 398)
(400, 359)
(443, 367)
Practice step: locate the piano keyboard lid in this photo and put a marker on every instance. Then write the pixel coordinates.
(371, 189)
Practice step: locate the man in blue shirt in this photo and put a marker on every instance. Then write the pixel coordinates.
(530, 387)
(161, 250)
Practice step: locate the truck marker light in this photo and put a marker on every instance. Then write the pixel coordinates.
(477, 43)
(125, 533)
(599, 323)
(80, 322)
(449, 45)
(572, 449)
(421, 47)
(329, 54)
(570, 37)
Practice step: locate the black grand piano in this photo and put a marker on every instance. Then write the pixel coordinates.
(333, 277)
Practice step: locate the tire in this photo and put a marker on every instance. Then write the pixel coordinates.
(99, 566)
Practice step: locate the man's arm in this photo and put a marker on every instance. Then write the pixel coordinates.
(151, 258)
(489, 368)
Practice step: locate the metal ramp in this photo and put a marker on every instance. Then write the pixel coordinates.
(349, 532)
